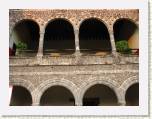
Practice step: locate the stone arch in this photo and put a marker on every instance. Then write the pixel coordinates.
(130, 81)
(127, 29)
(53, 19)
(94, 35)
(59, 36)
(25, 84)
(107, 82)
(125, 18)
(106, 24)
(125, 85)
(12, 26)
(21, 82)
(64, 83)
(25, 31)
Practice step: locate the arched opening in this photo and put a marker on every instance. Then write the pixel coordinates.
(94, 37)
(20, 97)
(25, 38)
(132, 95)
(100, 95)
(127, 30)
(57, 96)
(59, 37)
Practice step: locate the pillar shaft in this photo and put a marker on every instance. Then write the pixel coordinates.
(116, 59)
(77, 48)
(41, 41)
(113, 46)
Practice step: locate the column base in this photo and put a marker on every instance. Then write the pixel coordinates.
(122, 103)
(77, 53)
(35, 104)
(78, 104)
(40, 55)
(116, 57)
(39, 58)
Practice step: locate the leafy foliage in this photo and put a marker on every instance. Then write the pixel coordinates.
(21, 46)
(122, 47)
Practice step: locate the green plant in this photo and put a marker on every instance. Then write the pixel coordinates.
(21, 46)
(122, 47)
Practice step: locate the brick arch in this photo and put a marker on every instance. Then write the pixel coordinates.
(125, 18)
(23, 19)
(23, 83)
(99, 19)
(129, 82)
(17, 22)
(125, 85)
(107, 82)
(62, 18)
(62, 82)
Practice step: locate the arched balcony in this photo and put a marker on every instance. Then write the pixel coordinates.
(24, 40)
(59, 37)
(94, 37)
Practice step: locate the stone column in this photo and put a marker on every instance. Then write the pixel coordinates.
(11, 39)
(10, 92)
(77, 48)
(113, 46)
(35, 98)
(41, 41)
(121, 97)
(78, 103)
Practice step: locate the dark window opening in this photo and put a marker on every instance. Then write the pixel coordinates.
(125, 29)
(94, 37)
(132, 95)
(57, 96)
(27, 33)
(100, 95)
(91, 101)
(20, 97)
(59, 37)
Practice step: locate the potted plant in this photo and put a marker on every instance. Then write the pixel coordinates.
(20, 46)
(122, 47)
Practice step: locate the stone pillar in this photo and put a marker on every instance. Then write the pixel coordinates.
(41, 41)
(121, 97)
(35, 98)
(77, 48)
(11, 40)
(78, 103)
(10, 92)
(113, 46)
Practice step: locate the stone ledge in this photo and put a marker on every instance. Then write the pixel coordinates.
(67, 60)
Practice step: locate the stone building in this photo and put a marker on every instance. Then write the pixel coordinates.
(71, 57)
